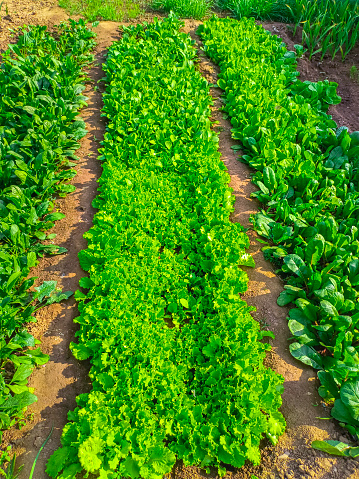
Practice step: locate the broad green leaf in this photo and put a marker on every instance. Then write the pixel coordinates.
(328, 308)
(308, 308)
(315, 249)
(86, 282)
(354, 452)
(162, 459)
(12, 280)
(22, 175)
(286, 297)
(269, 178)
(70, 472)
(19, 402)
(302, 333)
(29, 109)
(294, 263)
(335, 448)
(354, 138)
(184, 303)
(24, 339)
(37, 356)
(54, 216)
(45, 289)
(342, 413)
(17, 389)
(21, 373)
(59, 459)
(58, 297)
(336, 152)
(349, 394)
(132, 468)
(329, 389)
(306, 355)
(80, 351)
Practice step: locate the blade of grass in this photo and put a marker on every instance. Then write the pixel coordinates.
(38, 454)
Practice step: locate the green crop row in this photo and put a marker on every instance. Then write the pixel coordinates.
(307, 174)
(177, 363)
(40, 95)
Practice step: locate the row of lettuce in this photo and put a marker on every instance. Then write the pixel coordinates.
(41, 81)
(307, 175)
(176, 358)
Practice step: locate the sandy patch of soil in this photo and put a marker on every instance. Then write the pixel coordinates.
(16, 13)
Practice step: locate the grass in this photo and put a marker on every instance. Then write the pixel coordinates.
(261, 9)
(115, 10)
(185, 8)
(247, 8)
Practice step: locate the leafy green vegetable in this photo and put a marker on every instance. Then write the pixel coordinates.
(41, 84)
(336, 448)
(176, 357)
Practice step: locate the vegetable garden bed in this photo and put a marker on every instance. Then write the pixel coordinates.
(311, 195)
(149, 174)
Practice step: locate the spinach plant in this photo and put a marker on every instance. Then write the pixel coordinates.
(41, 84)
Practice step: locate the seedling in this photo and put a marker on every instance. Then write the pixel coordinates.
(354, 74)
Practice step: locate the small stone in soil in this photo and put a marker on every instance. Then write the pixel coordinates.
(38, 441)
(283, 456)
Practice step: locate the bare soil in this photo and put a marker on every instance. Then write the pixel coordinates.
(16, 13)
(63, 378)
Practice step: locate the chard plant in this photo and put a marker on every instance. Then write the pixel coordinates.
(307, 172)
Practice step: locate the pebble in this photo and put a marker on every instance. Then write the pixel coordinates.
(343, 439)
(283, 456)
(38, 441)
